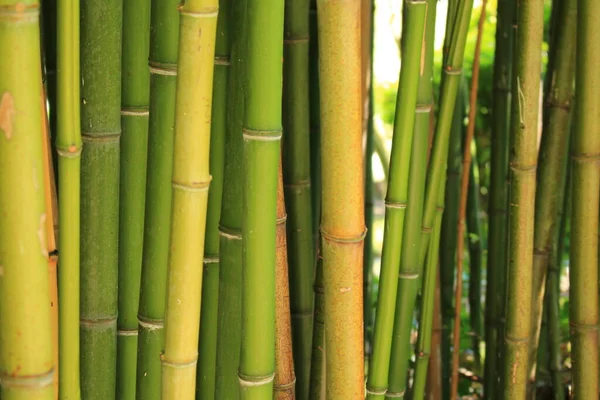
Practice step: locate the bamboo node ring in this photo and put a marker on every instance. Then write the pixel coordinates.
(281, 220)
(449, 70)
(583, 327)
(98, 322)
(376, 391)
(253, 381)
(20, 12)
(296, 40)
(194, 187)
(151, 324)
(30, 381)
(158, 68)
(395, 395)
(222, 60)
(266, 135)
(397, 205)
(423, 108)
(69, 152)
(301, 314)
(209, 12)
(229, 233)
(285, 386)
(127, 332)
(582, 158)
(523, 168)
(298, 185)
(516, 340)
(405, 275)
(179, 365)
(331, 238)
(135, 111)
(100, 136)
(210, 260)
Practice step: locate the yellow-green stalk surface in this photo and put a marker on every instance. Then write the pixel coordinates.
(26, 360)
(190, 183)
(342, 218)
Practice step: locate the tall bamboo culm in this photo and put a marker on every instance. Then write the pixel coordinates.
(553, 161)
(207, 347)
(26, 354)
(68, 149)
(101, 133)
(229, 319)
(296, 175)
(497, 211)
(523, 163)
(261, 148)
(135, 82)
(585, 201)
(190, 184)
(342, 222)
(399, 272)
(164, 33)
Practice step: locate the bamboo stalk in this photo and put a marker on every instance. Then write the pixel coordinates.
(135, 83)
(164, 23)
(26, 351)
(317, 360)
(101, 134)
(190, 183)
(261, 148)
(464, 191)
(342, 222)
(207, 347)
(433, 388)
(583, 303)
(230, 229)
(524, 133)
(296, 175)
(315, 122)
(404, 201)
(284, 387)
(49, 28)
(553, 160)
(499, 186)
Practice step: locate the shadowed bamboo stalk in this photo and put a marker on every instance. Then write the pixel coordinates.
(315, 122)
(296, 175)
(523, 164)
(462, 208)
(317, 360)
(164, 22)
(285, 380)
(342, 222)
(583, 303)
(68, 149)
(207, 347)
(230, 225)
(135, 82)
(433, 387)
(398, 200)
(261, 148)
(26, 353)
(101, 133)
(497, 211)
(190, 184)
(553, 161)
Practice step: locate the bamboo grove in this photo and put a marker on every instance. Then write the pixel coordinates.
(215, 199)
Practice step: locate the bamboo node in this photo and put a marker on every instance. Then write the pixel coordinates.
(515, 340)
(265, 135)
(299, 40)
(523, 167)
(97, 322)
(135, 111)
(581, 328)
(20, 12)
(101, 136)
(150, 324)
(207, 12)
(305, 183)
(423, 108)
(397, 205)
(583, 158)
(28, 381)
(179, 365)
(253, 381)
(229, 233)
(222, 60)
(336, 239)
(285, 386)
(303, 314)
(127, 332)
(404, 275)
(426, 229)
(376, 391)
(449, 70)
(416, 2)
(396, 395)
(71, 151)
(193, 187)
(281, 220)
(158, 68)
(210, 260)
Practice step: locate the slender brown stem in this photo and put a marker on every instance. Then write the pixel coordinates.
(463, 201)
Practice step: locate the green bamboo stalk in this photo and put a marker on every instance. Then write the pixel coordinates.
(499, 185)
(553, 160)
(317, 360)
(296, 175)
(523, 159)
(342, 222)
(190, 183)
(101, 134)
(405, 197)
(68, 148)
(207, 347)
(230, 228)
(26, 353)
(50, 54)
(262, 133)
(135, 84)
(423, 348)
(477, 246)
(584, 223)
(164, 22)
(314, 121)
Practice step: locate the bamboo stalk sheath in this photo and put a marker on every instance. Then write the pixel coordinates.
(342, 218)
(134, 148)
(26, 354)
(101, 133)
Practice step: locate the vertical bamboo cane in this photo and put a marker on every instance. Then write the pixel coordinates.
(523, 163)
(585, 202)
(26, 354)
(190, 183)
(314, 121)
(101, 133)
(296, 175)
(207, 350)
(135, 95)
(317, 360)
(164, 23)
(342, 220)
